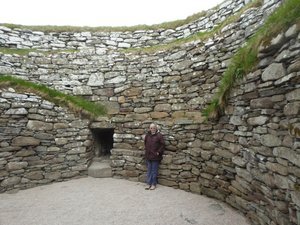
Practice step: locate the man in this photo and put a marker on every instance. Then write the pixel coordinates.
(154, 148)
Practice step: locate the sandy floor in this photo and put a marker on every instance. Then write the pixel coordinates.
(107, 201)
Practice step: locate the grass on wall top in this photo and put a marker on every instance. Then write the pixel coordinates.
(245, 60)
(26, 51)
(164, 25)
(76, 104)
(151, 49)
(199, 35)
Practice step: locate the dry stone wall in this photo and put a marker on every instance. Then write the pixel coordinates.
(113, 40)
(249, 158)
(255, 145)
(40, 142)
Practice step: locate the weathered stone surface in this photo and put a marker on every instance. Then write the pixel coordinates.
(53, 175)
(292, 31)
(244, 174)
(11, 181)
(39, 125)
(24, 153)
(18, 111)
(208, 145)
(288, 154)
(82, 90)
(293, 95)
(273, 72)
(117, 163)
(296, 197)
(133, 92)
(260, 120)
(34, 175)
(266, 103)
(25, 141)
(292, 108)
(294, 67)
(158, 115)
(162, 108)
(11, 166)
(275, 167)
(239, 161)
(168, 183)
(270, 140)
(181, 65)
(176, 55)
(213, 193)
(96, 80)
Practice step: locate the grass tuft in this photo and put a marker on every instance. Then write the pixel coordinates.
(197, 36)
(26, 51)
(53, 28)
(76, 104)
(245, 59)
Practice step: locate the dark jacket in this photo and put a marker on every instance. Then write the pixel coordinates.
(154, 146)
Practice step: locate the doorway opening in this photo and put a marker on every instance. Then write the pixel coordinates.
(104, 141)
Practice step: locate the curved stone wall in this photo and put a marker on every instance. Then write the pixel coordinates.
(249, 158)
(40, 142)
(141, 38)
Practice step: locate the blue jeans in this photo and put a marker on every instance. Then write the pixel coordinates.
(152, 171)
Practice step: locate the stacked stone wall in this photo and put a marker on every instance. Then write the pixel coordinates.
(22, 38)
(249, 158)
(259, 131)
(40, 142)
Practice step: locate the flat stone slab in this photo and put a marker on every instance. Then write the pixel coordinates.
(100, 170)
(109, 201)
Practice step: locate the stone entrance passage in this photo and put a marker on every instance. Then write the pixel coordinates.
(103, 142)
(103, 138)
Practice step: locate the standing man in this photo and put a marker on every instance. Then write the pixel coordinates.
(154, 148)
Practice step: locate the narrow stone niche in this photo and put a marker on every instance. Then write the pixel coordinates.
(103, 139)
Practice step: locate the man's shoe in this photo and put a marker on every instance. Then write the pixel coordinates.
(152, 187)
(148, 188)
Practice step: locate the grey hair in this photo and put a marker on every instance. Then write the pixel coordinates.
(153, 124)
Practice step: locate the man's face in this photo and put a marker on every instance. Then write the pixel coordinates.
(153, 129)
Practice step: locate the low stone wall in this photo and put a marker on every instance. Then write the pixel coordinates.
(19, 38)
(40, 142)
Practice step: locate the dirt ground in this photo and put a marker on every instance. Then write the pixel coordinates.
(108, 201)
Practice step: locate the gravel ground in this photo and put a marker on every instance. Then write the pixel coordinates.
(108, 201)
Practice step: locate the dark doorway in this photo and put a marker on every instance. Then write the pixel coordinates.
(104, 141)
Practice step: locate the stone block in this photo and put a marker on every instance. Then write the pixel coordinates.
(70, 174)
(270, 140)
(12, 166)
(277, 168)
(213, 193)
(25, 141)
(296, 197)
(167, 182)
(100, 170)
(53, 175)
(158, 115)
(17, 111)
(263, 103)
(25, 152)
(224, 153)
(287, 153)
(273, 72)
(195, 187)
(39, 125)
(34, 175)
(11, 181)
